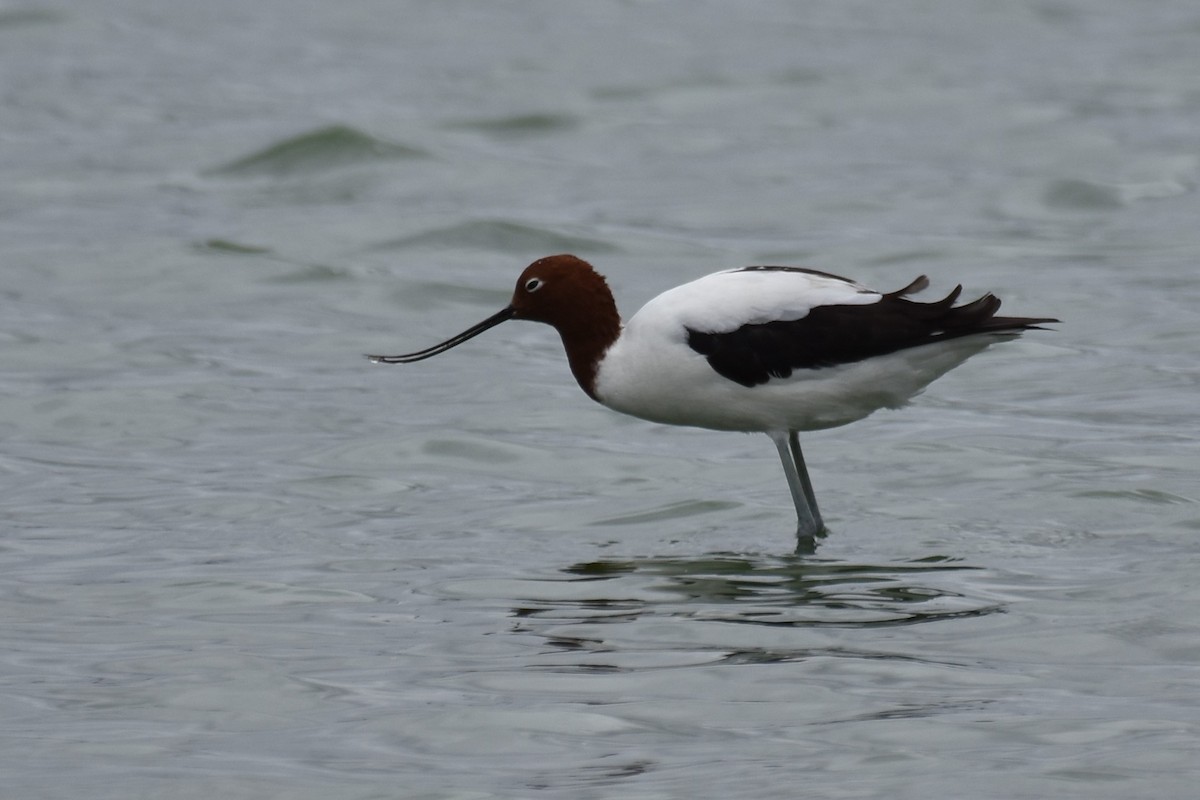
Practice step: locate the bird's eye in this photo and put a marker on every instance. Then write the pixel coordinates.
(533, 284)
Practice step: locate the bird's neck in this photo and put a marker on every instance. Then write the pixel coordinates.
(586, 342)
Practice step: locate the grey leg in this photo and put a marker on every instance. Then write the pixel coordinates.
(805, 481)
(808, 518)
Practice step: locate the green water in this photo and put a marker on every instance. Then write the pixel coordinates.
(237, 560)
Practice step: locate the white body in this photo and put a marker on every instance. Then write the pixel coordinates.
(650, 371)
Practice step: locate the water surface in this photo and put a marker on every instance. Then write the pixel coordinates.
(239, 561)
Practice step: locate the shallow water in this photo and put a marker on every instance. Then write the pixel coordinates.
(239, 561)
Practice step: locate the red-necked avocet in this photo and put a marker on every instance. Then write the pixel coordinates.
(772, 349)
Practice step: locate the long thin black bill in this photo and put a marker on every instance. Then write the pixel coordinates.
(454, 341)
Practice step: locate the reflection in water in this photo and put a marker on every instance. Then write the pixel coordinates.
(768, 591)
(678, 631)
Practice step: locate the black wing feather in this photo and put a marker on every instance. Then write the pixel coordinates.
(843, 334)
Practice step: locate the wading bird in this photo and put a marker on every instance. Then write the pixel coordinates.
(772, 349)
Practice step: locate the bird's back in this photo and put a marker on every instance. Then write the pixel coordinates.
(774, 348)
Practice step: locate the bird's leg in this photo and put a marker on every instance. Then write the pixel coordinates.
(805, 481)
(808, 518)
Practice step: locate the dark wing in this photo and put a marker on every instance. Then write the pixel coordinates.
(842, 334)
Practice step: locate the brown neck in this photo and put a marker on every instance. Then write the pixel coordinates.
(586, 344)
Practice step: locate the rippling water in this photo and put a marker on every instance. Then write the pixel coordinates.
(239, 561)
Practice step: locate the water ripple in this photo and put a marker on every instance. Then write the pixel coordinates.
(322, 149)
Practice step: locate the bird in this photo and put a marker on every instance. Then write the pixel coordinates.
(778, 350)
